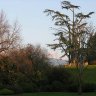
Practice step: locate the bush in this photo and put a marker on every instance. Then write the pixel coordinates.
(29, 87)
(57, 86)
(59, 74)
(6, 92)
(57, 80)
(16, 88)
(72, 87)
(89, 87)
(86, 87)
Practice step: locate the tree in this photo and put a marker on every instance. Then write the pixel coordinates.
(9, 40)
(92, 46)
(9, 34)
(30, 60)
(72, 35)
(39, 60)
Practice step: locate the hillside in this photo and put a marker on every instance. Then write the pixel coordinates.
(55, 61)
(89, 73)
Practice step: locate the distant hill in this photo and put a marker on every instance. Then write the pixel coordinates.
(55, 61)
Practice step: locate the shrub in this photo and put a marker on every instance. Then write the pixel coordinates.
(72, 87)
(6, 92)
(86, 87)
(16, 88)
(29, 87)
(57, 86)
(89, 87)
(57, 80)
(59, 74)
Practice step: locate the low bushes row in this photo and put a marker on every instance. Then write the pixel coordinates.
(58, 79)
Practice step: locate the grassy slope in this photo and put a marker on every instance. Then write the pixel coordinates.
(89, 73)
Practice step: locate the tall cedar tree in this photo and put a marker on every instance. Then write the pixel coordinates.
(72, 35)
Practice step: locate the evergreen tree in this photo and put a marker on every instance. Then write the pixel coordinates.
(71, 35)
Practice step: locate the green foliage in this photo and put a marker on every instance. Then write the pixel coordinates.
(57, 86)
(71, 32)
(22, 69)
(6, 92)
(86, 87)
(35, 74)
(57, 79)
(29, 87)
(92, 48)
(89, 74)
(89, 87)
(89, 79)
(63, 75)
(72, 35)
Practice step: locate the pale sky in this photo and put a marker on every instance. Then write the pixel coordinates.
(35, 24)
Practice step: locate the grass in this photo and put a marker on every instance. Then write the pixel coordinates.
(89, 73)
(55, 94)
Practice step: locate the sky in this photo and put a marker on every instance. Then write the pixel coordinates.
(34, 23)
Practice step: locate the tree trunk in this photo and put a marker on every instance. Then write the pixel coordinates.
(80, 91)
(80, 85)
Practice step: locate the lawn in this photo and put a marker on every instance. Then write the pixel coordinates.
(55, 94)
(89, 73)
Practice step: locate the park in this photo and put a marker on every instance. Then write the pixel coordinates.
(25, 68)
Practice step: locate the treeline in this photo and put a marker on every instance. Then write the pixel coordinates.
(28, 70)
(21, 69)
